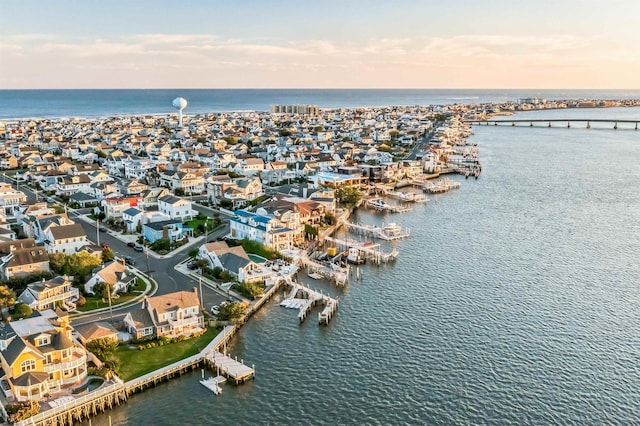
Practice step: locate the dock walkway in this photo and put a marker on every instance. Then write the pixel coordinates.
(309, 299)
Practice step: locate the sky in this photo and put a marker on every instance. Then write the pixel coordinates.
(517, 44)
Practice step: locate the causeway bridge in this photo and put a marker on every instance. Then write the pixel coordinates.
(554, 122)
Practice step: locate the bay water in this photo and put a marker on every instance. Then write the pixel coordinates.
(515, 301)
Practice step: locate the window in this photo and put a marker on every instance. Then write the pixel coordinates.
(28, 365)
(43, 340)
(147, 331)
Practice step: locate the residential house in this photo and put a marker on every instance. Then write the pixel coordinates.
(48, 294)
(114, 206)
(249, 166)
(39, 357)
(10, 199)
(266, 230)
(114, 273)
(22, 257)
(70, 185)
(173, 315)
(234, 260)
(96, 331)
(172, 230)
(176, 207)
(68, 239)
(132, 218)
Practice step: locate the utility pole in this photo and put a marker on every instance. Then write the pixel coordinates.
(201, 295)
(110, 310)
(97, 231)
(148, 270)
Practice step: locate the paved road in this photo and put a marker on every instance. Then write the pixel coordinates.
(162, 270)
(419, 145)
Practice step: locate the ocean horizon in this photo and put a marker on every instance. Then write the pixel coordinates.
(93, 103)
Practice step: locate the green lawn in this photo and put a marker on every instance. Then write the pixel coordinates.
(96, 302)
(135, 363)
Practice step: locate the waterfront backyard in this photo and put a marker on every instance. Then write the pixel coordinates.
(136, 362)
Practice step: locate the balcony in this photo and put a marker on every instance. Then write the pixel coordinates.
(80, 359)
(186, 322)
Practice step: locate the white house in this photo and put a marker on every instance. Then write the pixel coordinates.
(67, 239)
(132, 217)
(114, 273)
(234, 260)
(176, 207)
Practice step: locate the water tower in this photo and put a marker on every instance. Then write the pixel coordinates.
(180, 104)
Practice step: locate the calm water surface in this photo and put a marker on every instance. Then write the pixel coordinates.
(514, 301)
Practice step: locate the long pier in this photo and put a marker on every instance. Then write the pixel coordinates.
(549, 121)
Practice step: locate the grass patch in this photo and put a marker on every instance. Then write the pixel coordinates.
(135, 363)
(96, 302)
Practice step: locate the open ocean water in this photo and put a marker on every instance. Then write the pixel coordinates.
(515, 300)
(97, 103)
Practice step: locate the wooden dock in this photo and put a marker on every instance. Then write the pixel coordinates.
(336, 274)
(213, 384)
(230, 368)
(309, 298)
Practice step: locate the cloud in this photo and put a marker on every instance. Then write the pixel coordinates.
(141, 60)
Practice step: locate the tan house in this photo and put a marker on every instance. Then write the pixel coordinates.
(173, 315)
(23, 258)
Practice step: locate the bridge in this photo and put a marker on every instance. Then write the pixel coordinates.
(587, 121)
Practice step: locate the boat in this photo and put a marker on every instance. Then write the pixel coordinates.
(354, 258)
(378, 204)
(315, 276)
(392, 231)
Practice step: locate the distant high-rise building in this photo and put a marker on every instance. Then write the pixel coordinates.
(294, 109)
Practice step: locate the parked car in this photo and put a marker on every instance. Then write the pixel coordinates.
(102, 229)
(192, 265)
(131, 244)
(129, 260)
(138, 247)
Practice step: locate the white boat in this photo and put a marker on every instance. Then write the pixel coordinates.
(392, 231)
(353, 256)
(315, 276)
(378, 203)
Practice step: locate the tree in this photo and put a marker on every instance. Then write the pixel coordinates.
(81, 264)
(7, 298)
(349, 195)
(22, 310)
(231, 311)
(193, 253)
(107, 255)
(57, 261)
(201, 264)
(103, 290)
(231, 140)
